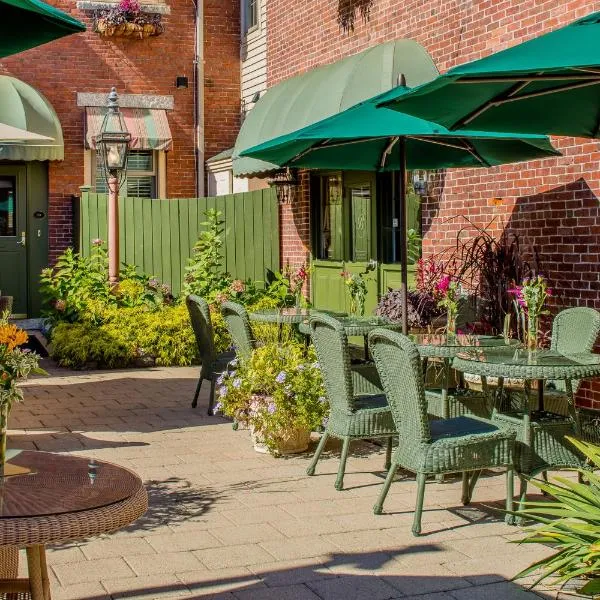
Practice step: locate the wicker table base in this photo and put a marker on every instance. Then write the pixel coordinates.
(81, 498)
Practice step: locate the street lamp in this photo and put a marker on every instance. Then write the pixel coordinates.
(113, 144)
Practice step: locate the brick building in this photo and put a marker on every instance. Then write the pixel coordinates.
(183, 83)
(551, 204)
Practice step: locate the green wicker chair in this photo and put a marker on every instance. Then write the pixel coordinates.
(463, 444)
(238, 325)
(213, 364)
(573, 330)
(353, 416)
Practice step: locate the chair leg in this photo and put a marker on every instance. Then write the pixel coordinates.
(388, 455)
(471, 480)
(339, 480)
(378, 508)
(313, 463)
(510, 492)
(211, 400)
(421, 480)
(465, 488)
(522, 498)
(198, 386)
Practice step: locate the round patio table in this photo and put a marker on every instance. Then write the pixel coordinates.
(357, 326)
(540, 441)
(442, 403)
(63, 498)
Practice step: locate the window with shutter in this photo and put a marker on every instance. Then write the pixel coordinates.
(140, 181)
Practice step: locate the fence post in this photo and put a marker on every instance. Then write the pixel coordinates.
(77, 216)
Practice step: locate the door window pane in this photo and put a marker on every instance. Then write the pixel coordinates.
(331, 224)
(8, 207)
(360, 206)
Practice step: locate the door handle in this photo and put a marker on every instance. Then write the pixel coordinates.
(21, 242)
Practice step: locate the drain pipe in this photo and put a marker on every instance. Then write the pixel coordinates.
(199, 97)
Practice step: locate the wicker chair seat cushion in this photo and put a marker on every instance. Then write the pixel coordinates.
(460, 426)
(369, 402)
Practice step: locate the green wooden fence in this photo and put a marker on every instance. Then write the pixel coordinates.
(158, 235)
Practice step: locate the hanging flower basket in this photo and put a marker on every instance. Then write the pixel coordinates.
(127, 20)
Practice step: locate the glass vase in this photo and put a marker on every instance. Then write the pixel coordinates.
(353, 306)
(532, 333)
(4, 411)
(451, 322)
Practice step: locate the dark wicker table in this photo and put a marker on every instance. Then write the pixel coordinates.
(446, 402)
(64, 498)
(540, 441)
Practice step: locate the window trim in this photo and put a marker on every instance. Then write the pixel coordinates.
(249, 29)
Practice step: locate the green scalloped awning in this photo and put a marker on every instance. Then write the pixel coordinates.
(325, 91)
(22, 106)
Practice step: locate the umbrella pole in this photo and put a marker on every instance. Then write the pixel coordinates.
(401, 191)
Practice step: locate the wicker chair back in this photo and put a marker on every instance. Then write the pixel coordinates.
(203, 329)
(399, 366)
(238, 325)
(331, 344)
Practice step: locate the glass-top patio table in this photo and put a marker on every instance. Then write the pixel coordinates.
(540, 442)
(442, 403)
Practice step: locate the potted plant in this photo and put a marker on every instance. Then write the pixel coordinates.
(278, 394)
(570, 522)
(16, 364)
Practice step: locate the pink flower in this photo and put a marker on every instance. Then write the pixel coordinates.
(237, 286)
(301, 273)
(345, 274)
(443, 284)
(60, 305)
(97, 242)
(549, 291)
(221, 297)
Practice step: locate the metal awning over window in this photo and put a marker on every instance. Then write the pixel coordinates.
(325, 91)
(149, 127)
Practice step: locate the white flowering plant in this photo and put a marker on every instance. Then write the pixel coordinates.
(277, 390)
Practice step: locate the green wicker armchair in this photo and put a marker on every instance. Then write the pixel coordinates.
(353, 416)
(462, 444)
(238, 325)
(213, 364)
(573, 330)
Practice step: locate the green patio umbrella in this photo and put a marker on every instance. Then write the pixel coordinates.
(364, 137)
(550, 85)
(26, 24)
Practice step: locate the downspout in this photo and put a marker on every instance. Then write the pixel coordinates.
(199, 97)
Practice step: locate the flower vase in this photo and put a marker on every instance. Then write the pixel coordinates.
(451, 322)
(532, 333)
(4, 411)
(298, 299)
(353, 307)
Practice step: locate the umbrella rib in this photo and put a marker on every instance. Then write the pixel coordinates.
(509, 96)
(388, 150)
(464, 146)
(529, 78)
(324, 144)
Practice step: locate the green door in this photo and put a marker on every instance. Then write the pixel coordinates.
(344, 233)
(13, 228)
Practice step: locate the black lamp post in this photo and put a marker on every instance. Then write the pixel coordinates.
(113, 144)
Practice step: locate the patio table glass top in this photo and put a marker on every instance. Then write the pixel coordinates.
(527, 364)
(448, 346)
(288, 315)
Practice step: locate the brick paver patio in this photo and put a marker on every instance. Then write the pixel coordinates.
(228, 523)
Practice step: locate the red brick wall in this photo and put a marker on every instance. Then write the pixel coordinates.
(551, 204)
(221, 74)
(90, 63)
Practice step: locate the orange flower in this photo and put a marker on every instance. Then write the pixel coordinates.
(11, 336)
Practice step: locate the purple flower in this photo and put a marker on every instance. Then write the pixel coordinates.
(233, 363)
(281, 377)
(325, 421)
(153, 283)
(218, 407)
(237, 383)
(222, 391)
(221, 379)
(322, 399)
(271, 408)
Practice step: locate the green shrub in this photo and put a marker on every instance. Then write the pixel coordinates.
(125, 335)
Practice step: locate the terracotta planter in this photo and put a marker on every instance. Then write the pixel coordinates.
(292, 442)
